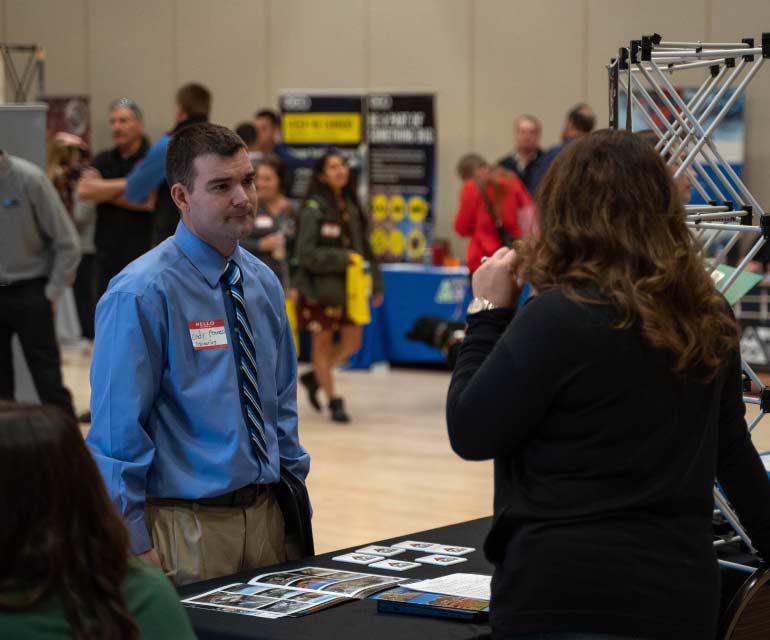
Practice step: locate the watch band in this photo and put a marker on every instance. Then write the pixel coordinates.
(479, 304)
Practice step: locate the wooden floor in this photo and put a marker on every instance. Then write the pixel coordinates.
(391, 471)
(388, 473)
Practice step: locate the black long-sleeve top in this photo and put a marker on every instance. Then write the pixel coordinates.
(605, 463)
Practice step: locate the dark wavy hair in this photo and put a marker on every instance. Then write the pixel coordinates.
(319, 188)
(611, 222)
(60, 535)
(279, 168)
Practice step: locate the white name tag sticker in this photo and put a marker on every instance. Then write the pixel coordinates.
(208, 334)
(330, 230)
(263, 222)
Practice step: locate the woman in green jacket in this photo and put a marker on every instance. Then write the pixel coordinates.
(332, 230)
(65, 570)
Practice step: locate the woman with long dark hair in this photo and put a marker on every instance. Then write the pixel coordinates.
(332, 229)
(609, 402)
(272, 237)
(64, 561)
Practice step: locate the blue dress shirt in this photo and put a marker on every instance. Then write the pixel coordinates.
(149, 174)
(166, 418)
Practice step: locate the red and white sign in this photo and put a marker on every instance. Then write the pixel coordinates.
(208, 334)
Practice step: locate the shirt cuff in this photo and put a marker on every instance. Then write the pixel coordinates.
(501, 317)
(140, 540)
(53, 292)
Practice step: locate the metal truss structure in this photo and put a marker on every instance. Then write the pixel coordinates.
(641, 73)
(34, 69)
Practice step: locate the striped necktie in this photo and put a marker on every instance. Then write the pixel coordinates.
(250, 402)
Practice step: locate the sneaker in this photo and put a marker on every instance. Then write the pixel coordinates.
(337, 409)
(310, 383)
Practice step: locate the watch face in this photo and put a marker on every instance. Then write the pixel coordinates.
(476, 305)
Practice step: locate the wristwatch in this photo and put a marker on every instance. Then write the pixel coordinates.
(480, 304)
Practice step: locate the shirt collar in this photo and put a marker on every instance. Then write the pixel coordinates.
(204, 257)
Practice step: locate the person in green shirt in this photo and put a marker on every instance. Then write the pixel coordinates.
(333, 229)
(65, 570)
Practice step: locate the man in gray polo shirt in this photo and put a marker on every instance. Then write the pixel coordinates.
(39, 255)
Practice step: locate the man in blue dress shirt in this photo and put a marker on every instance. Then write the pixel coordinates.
(194, 378)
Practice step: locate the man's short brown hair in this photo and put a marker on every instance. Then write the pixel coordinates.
(194, 141)
(195, 99)
(468, 164)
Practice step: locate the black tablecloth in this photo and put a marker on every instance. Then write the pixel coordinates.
(357, 620)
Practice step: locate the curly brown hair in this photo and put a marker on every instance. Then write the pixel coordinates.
(61, 536)
(612, 229)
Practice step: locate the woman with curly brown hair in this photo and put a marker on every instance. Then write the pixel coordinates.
(610, 403)
(64, 563)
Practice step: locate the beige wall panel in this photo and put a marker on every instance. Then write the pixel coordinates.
(528, 58)
(612, 24)
(60, 27)
(732, 21)
(222, 45)
(132, 54)
(317, 45)
(424, 45)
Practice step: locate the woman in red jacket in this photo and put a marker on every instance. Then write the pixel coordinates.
(478, 217)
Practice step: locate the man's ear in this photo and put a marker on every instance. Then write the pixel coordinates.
(180, 196)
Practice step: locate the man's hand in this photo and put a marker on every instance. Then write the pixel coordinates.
(496, 281)
(89, 173)
(151, 557)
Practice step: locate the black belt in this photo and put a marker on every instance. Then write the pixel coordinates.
(243, 497)
(6, 284)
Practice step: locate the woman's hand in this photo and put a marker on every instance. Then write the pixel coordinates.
(496, 281)
(271, 242)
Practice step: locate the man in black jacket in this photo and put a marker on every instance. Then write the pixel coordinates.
(526, 153)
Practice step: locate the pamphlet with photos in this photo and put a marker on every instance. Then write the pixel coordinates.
(422, 599)
(292, 593)
(458, 595)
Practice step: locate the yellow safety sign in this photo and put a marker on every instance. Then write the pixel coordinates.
(321, 128)
(379, 207)
(418, 208)
(397, 206)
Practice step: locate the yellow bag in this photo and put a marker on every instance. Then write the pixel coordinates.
(358, 287)
(291, 315)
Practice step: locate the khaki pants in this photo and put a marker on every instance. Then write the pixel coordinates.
(197, 542)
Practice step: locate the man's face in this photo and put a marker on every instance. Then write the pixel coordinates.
(265, 132)
(527, 136)
(220, 208)
(125, 126)
(683, 185)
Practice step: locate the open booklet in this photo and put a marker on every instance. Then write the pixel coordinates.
(292, 593)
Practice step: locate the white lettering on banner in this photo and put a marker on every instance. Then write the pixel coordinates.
(208, 334)
(451, 291)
